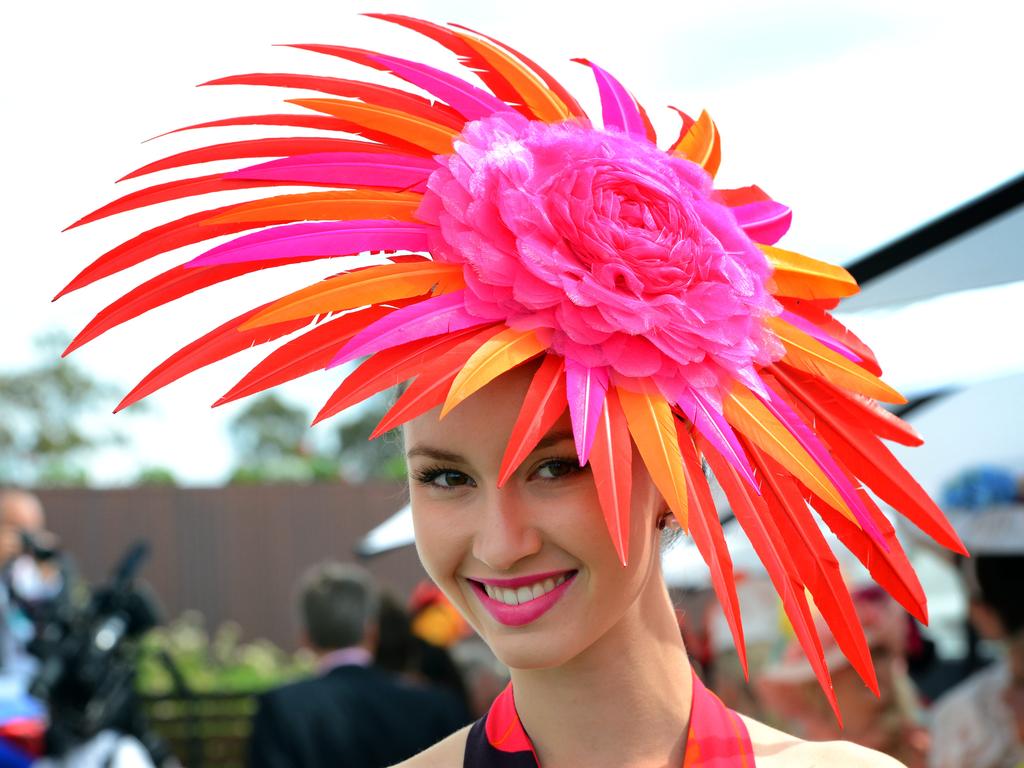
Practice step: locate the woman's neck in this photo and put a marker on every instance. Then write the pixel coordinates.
(625, 701)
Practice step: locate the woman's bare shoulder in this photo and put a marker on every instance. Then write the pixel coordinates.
(447, 753)
(775, 749)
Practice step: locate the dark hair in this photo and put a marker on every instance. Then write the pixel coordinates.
(338, 601)
(1000, 580)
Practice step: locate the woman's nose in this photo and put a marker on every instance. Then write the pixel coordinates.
(506, 534)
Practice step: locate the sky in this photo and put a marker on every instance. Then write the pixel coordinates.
(867, 118)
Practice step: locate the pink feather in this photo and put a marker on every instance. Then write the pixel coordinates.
(813, 445)
(618, 108)
(585, 389)
(468, 100)
(712, 425)
(817, 333)
(318, 239)
(345, 169)
(765, 221)
(441, 314)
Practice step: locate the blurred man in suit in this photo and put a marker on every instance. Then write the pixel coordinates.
(351, 713)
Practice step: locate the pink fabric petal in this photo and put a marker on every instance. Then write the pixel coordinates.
(319, 238)
(585, 389)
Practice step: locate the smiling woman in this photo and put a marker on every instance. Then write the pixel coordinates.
(585, 319)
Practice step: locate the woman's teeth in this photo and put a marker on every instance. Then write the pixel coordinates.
(522, 594)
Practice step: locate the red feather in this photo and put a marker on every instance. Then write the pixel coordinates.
(387, 368)
(173, 190)
(611, 457)
(223, 341)
(153, 242)
(845, 407)
(867, 458)
(236, 150)
(814, 313)
(430, 388)
(890, 567)
(166, 287)
(544, 403)
(753, 516)
(369, 93)
(310, 352)
(815, 563)
(706, 531)
(319, 122)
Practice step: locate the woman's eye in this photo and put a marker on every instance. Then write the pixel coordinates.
(552, 470)
(443, 478)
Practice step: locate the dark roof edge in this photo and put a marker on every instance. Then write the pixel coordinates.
(941, 230)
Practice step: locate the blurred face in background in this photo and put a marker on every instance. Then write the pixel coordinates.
(19, 512)
(540, 540)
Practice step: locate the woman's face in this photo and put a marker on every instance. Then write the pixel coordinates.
(541, 537)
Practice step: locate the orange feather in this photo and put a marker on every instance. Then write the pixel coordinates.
(653, 428)
(701, 144)
(805, 278)
(810, 355)
(361, 287)
(540, 99)
(431, 136)
(755, 422)
(338, 205)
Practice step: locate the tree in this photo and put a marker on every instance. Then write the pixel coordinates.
(275, 444)
(43, 440)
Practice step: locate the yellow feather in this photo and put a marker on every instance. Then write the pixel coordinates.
(495, 356)
(811, 356)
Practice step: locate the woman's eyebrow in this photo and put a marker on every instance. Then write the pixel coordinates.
(553, 438)
(434, 453)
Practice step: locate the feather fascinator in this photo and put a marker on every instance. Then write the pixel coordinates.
(509, 227)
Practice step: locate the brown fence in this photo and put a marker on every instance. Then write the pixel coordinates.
(233, 552)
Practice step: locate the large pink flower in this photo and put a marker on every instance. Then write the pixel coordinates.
(611, 243)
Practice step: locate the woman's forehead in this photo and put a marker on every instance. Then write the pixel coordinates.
(484, 419)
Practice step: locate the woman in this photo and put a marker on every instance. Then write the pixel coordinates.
(593, 321)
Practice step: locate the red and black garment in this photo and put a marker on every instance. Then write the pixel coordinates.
(717, 737)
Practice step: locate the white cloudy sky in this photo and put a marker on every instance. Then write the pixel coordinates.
(867, 117)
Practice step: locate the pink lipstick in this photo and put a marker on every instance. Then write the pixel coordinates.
(547, 589)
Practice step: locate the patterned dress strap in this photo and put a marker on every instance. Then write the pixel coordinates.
(717, 738)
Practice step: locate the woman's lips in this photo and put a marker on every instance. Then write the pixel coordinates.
(529, 609)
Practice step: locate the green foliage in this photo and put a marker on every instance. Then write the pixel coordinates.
(155, 476)
(42, 437)
(275, 445)
(221, 664)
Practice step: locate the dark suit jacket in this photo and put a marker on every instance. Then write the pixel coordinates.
(350, 717)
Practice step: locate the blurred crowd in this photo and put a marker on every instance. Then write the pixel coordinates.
(393, 677)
